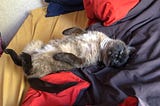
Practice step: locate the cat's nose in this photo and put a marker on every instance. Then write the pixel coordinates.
(114, 63)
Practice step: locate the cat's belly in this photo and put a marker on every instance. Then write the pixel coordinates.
(90, 53)
(45, 49)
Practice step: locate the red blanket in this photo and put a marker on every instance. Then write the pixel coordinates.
(107, 11)
(64, 98)
(129, 101)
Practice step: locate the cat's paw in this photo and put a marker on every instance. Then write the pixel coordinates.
(69, 58)
(73, 31)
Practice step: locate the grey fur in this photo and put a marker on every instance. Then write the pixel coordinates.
(76, 50)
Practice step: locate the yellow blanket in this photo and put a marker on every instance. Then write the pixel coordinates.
(12, 82)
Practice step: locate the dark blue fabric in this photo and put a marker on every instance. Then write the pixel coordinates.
(140, 77)
(57, 7)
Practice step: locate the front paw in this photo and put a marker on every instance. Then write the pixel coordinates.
(68, 58)
(58, 56)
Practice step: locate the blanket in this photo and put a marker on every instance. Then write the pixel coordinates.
(141, 75)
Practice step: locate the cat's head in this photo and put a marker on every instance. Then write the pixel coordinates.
(116, 53)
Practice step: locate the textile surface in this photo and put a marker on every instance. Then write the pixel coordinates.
(140, 77)
(108, 11)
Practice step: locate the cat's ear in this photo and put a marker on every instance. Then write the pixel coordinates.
(73, 31)
(131, 50)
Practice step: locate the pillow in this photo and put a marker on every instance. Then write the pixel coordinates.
(57, 7)
(107, 11)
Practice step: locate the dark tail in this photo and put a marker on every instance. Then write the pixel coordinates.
(41, 85)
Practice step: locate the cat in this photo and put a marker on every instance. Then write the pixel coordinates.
(77, 49)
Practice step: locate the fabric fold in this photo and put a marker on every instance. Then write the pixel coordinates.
(108, 11)
(64, 98)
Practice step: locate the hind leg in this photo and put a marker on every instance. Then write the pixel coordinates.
(15, 57)
(23, 59)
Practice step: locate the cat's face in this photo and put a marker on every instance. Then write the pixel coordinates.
(116, 53)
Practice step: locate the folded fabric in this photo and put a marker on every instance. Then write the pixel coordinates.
(64, 98)
(129, 101)
(107, 11)
(57, 7)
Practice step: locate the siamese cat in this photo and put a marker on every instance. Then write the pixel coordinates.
(78, 49)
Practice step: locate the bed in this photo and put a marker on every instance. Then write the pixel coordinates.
(137, 83)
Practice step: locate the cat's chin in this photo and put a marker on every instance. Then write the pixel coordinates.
(110, 63)
(106, 63)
